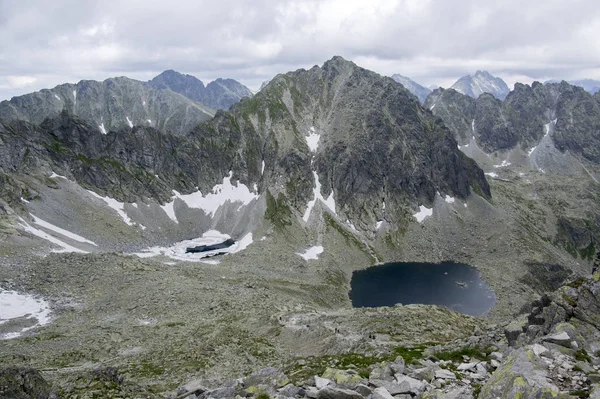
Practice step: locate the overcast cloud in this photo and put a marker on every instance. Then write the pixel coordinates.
(43, 43)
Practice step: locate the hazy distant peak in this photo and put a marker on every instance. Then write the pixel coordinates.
(481, 82)
(419, 91)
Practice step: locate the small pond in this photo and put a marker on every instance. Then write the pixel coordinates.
(454, 285)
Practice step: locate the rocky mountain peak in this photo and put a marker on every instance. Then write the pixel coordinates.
(481, 82)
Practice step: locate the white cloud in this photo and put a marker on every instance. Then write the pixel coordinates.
(431, 41)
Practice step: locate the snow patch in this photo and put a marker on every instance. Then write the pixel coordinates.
(24, 200)
(262, 169)
(432, 107)
(311, 253)
(503, 164)
(150, 121)
(42, 234)
(211, 237)
(313, 139)
(57, 97)
(102, 128)
(129, 122)
(532, 150)
(75, 96)
(329, 202)
(54, 176)
(221, 193)
(449, 199)
(473, 126)
(60, 231)
(492, 174)
(14, 305)
(378, 224)
(423, 213)
(116, 205)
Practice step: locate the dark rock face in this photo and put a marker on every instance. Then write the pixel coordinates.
(21, 383)
(121, 164)
(520, 119)
(219, 94)
(113, 104)
(578, 126)
(376, 141)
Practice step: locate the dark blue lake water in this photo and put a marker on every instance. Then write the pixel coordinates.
(454, 285)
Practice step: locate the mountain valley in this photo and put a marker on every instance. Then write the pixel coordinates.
(323, 172)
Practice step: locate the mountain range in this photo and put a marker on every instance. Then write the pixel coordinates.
(121, 102)
(324, 171)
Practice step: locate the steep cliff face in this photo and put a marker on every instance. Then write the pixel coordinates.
(526, 115)
(113, 104)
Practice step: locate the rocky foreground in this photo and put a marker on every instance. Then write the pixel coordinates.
(551, 352)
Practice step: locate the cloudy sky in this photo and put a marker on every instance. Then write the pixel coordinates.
(43, 43)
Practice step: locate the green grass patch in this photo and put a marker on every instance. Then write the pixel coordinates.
(361, 363)
(582, 356)
(580, 393)
(278, 211)
(175, 324)
(349, 237)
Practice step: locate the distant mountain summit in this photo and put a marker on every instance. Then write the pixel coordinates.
(420, 91)
(219, 94)
(589, 85)
(481, 82)
(113, 104)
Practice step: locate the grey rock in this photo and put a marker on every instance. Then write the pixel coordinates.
(330, 392)
(445, 374)
(321, 383)
(22, 383)
(382, 371)
(392, 387)
(560, 338)
(424, 373)
(381, 393)
(538, 349)
(363, 390)
(291, 391)
(397, 366)
(466, 366)
(411, 385)
(312, 392)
